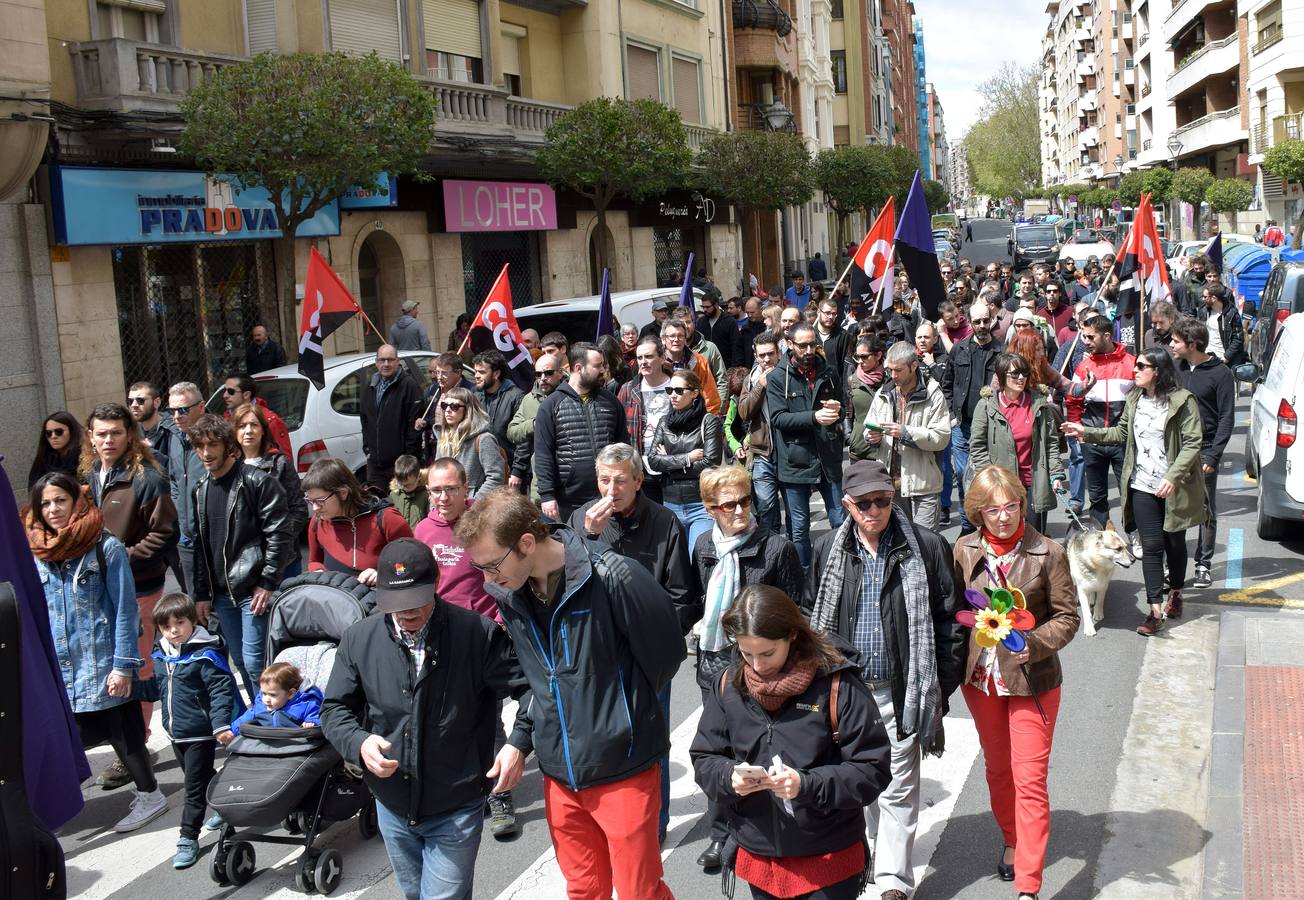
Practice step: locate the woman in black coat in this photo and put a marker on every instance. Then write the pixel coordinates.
(790, 728)
(688, 440)
(58, 449)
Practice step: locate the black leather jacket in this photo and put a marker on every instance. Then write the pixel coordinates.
(258, 538)
(679, 474)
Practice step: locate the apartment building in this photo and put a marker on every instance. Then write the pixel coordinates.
(1275, 60)
(961, 184)
(137, 300)
(862, 73)
(810, 232)
(898, 26)
(1155, 116)
(1206, 85)
(921, 97)
(938, 148)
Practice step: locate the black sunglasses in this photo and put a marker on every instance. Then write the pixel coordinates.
(137, 401)
(451, 404)
(874, 502)
(55, 432)
(545, 373)
(181, 410)
(1142, 365)
(677, 390)
(230, 390)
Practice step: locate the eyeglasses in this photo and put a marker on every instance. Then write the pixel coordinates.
(864, 356)
(1142, 365)
(55, 432)
(805, 345)
(492, 568)
(386, 359)
(230, 390)
(137, 401)
(181, 410)
(441, 491)
(316, 502)
(1020, 375)
(678, 390)
(546, 373)
(451, 404)
(872, 503)
(742, 504)
(1011, 509)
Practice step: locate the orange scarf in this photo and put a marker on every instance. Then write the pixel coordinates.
(74, 539)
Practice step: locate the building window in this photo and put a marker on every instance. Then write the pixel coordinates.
(260, 20)
(838, 58)
(361, 26)
(644, 68)
(451, 33)
(837, 9)
(687, 88)
(452, 67)
(135, 21)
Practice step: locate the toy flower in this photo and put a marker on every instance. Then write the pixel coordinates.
(999, 617)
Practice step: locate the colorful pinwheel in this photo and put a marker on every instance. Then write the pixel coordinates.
(999, 616)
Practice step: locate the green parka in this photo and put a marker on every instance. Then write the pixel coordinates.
(991, 443)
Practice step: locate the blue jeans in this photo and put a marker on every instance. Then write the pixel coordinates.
(765, 485)
(959, 462)
(1077, 473)
(695, 519)
(435, 858)
(245, 635)
(798, 497)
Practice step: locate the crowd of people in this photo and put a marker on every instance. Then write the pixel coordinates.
(650, 498)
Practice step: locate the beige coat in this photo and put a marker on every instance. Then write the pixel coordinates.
(927, 429)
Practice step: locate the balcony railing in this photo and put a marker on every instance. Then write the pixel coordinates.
(466, 108)
(122, 74)
(761, 14)
(1268, 36)
(1196, 54)
(1287, 128)
(698, 135)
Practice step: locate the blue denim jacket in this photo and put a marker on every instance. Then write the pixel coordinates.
(94, 621)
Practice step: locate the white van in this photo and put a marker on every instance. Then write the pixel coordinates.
(1273, 453)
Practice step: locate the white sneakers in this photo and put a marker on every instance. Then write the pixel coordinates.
(145, 808)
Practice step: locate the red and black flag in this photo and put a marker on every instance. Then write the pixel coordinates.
(495, 328)
(327, 304)
(1141, 269)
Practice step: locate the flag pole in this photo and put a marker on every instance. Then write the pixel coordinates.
(843, 276)
(882, 285)
(1141, 300)
(367, 319)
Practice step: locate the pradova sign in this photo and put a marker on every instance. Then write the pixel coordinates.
(499, 206)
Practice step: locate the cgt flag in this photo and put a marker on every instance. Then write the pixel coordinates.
(494, 328)
(1141, 269)
(875, 253)
(606, 317)
(1215, 253)
(327, 304)
(914, 247)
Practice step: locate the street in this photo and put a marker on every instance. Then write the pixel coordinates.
(1133, 799)
(990, 241)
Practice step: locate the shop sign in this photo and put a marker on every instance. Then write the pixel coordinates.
(381, 195)
(152, 206)
(676, 209)
(499, 206)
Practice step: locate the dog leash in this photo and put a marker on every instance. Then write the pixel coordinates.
(1068, 507)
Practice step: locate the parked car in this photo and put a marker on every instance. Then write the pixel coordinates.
(1033, 243)
(578, 318)
(326, 422)
(1083, 244)
(1273, 453)
(1283, 296)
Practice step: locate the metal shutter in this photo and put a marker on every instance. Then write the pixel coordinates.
(261, 16)
(644, 73)
(688, 99)
(360, 26)
(453, 26)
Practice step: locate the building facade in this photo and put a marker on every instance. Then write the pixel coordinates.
(1275, 63)
(938, 147)
(898, 26)
(921, 97)
(961, 185)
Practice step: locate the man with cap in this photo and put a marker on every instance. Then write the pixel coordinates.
(660, 315)
(412, 699)
(885, 586)
(408, 333)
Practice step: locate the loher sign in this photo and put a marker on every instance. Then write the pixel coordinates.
(499, 206)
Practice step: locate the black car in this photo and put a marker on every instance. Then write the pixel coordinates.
(1032, 244)
(1283, 294)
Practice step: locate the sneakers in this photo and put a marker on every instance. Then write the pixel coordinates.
(145, 808)
(215, 823)
(187, 854)
(1134, 540)
(1150, 627)
(1174, 608)
(944, 519)
(502, 816)
(1203, 577)
(115, 775)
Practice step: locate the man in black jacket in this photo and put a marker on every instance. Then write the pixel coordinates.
(972, 364)
(719, 328)
(837, 342)
(387, 409)
(1223, 321)
(499, 394)
(575, 422)
(884, 585)
(241, 525)
(599, 641)
(263, 353)
(1210, 380)
(804, 399)
(412, 697)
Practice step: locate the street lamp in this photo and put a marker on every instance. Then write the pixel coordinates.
(1174, 149)
(777, 116)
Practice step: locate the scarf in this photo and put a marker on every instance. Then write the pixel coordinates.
(722, 586)
(72, 542)
(1000, 548)
(772, 691)
(921, 710)
(682, 421)
(870, 379)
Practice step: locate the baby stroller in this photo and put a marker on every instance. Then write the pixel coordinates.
(292, 777)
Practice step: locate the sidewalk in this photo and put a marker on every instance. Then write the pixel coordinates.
(1257, 760)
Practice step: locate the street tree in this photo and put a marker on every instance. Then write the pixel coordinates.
(1004, 145)
(1230, 195)
(609, 147)
(936, 196)
(1286, 160)
(307, 127)
(1189, 186)
(1158, 183)
(853, 178)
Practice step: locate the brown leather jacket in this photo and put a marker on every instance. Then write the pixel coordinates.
(751, 408)
(138, 510)
(1042, 573)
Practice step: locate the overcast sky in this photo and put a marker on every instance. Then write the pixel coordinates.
(964, 43)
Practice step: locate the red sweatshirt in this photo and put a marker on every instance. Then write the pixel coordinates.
(352, 545)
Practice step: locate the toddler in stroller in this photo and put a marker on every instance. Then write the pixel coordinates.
(291, 776)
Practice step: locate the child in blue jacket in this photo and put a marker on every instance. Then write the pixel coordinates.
(199, 701)
(280, 703)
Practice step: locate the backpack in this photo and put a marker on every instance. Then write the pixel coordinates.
(833, 702)
(502, 454)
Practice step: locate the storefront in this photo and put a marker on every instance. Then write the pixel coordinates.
(500, 223)
(191, 260)
(680, 221)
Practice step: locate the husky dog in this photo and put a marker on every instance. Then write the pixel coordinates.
(1093, 554)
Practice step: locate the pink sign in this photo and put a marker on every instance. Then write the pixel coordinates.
(499, 206)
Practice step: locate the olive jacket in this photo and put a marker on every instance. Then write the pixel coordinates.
(991, 443)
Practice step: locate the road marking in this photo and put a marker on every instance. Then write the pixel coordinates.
(1235, 553)
(1249, 595)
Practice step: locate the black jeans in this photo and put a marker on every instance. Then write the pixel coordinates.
(843, 890)
(1209, 530)
(196, 760)
(1097, 462)
(1158, 546)
(378, 478)
(122, 727)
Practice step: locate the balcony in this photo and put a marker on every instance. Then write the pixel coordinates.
(1260, 139)
(1268, 35)
(765, 14)
(1088, 137)
(1209, 132)
(1129, 76)
(1087, 101)
(1287, 128)
(123, 75)
(482, 110)
(1214, 58)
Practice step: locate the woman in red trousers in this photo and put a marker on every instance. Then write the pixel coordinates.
(1014, 696)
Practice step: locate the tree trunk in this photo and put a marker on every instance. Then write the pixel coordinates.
(1297, 236)
(288, 313)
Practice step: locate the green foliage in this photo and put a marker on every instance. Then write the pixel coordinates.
(609, 146)
(308, 126)
(1229, 195)
(904, 165)
(1130, 187)
(1190, 185)
(1286, 160)
(1098, 198)
(759, 169)
(1004, 145)
(854, 178)
(1159, 184)
(936, 196)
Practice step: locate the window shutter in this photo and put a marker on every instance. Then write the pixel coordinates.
(511, 54)
(261, 16)
(453, 26)
(360, 26)
(688, 99)
(644, 73)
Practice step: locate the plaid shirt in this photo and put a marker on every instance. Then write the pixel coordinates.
(867, 635)
(415, 644)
